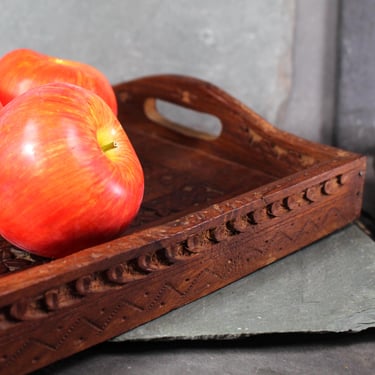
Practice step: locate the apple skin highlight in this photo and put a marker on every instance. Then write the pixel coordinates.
(60, 191)
(23, 69)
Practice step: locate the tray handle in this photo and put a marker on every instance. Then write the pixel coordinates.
(141, 95)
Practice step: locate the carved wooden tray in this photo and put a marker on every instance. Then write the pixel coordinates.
(215, 210)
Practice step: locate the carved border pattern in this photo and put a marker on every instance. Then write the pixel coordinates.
(141, 267)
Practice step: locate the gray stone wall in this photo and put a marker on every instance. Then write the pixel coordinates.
(242, 46)
(310, 109)
(356, 86)
(356, 110)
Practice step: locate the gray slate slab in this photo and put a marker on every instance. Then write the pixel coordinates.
(326, 287)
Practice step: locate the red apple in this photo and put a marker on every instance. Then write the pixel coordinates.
(23, 69)
(69, 176)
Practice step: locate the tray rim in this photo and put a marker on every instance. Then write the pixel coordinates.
(334, 168)
(94, 258)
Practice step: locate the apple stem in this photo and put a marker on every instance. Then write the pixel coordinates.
(109, 146)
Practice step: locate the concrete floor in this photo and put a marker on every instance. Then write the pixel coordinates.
(262, 355)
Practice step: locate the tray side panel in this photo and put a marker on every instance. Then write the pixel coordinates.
(180, 180)
(59, 322)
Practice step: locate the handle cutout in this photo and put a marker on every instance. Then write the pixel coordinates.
(183, 120)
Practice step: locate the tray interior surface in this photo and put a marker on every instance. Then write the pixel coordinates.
(181, 179)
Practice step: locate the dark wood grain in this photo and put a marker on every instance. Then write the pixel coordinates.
(215, 210)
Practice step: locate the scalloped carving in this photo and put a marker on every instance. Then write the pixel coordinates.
(179, 252)
(278, 208)
(125, 272)
(331, 186)
(219, 233)
(163, 258)
(295, 201)
(314, 193)
(240, 223)
(198, 242)
(19, 309)
(83, 285)
(51, 299)
(260, 216)
(343, 178)
(154, 261)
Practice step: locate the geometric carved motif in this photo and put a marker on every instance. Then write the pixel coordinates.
(144, 265)
(213, 242)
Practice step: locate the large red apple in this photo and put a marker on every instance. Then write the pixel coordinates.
(23, 69)
(69, 176)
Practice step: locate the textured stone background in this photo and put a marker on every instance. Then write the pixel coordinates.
(356, 87)
(274, 55)
(356, 112)
(243, 46)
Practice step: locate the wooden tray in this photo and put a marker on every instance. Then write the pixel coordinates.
(215, 210)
